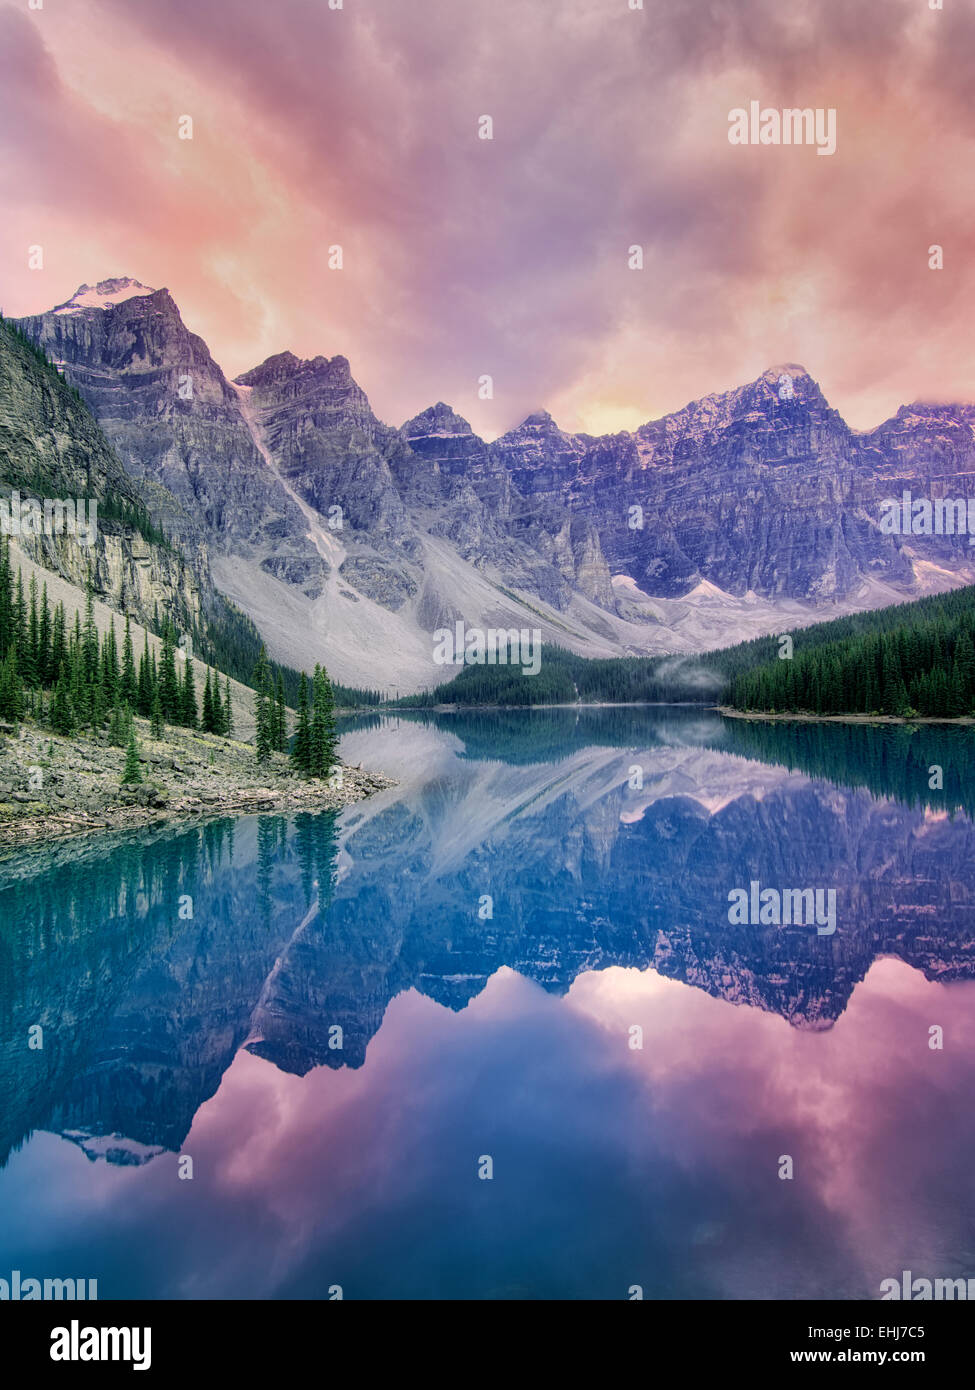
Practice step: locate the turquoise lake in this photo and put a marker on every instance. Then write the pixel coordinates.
(517, 961)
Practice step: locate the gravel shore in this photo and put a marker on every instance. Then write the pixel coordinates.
(52, 786)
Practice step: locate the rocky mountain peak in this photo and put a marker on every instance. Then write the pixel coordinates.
(792, 369)
(105, 295)
(125, 327)
(537, 430)
(285, 366)
(936, 410)
(790, 381)
(539, 422)
(787, 384)
(275, 368)
(538, 437)
(439, 421)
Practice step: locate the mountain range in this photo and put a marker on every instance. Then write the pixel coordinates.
(350, 541)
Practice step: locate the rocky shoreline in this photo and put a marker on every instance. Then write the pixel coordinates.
(764, 716)
(53, 787)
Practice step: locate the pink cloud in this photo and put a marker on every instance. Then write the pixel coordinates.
(464, 257)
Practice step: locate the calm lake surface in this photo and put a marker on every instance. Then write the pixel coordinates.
(362, 1009)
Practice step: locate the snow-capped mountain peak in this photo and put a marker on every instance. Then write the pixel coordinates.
(105, 295)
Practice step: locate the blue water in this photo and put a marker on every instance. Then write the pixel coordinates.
(516, 961)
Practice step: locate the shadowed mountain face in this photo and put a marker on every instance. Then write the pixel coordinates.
(328, 526)
(151, 960)
(170, 413)
(52, 448)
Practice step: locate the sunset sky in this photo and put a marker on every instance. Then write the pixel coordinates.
(465, 257)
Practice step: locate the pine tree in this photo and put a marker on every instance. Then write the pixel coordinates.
(323, 735)
(263, 711)
(110, 677)
(228, 710)
(131, 773)
(187, 701)
(89, 638)
(129, 685)
(11, 688)
(206, 717)
(147, 682)
(965, 661)
(59, 641)
(301, 747)
(956, 702)
(46, 672)
(169, 687)
(79, 687)
(939, 693)
(119, 725)
(20, 616)
(220, 713)
(28, 662)
(281, 719)
(157, 724)
(62, 717)
(99, 706)
(6, 598)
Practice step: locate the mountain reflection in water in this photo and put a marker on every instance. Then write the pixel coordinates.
(361, 1006)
